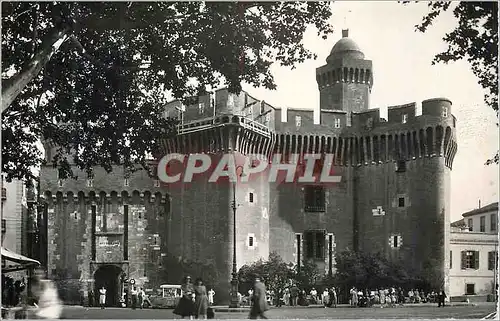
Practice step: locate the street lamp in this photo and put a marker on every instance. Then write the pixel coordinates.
(235, 301)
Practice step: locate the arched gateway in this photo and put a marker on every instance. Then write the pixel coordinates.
(108, 275)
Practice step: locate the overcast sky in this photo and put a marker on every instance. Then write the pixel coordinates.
(402, 74)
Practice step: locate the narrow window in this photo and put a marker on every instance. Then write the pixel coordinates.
(60, 183)
(401, 202)
(482, 224)
(250, 198)
(250, 241)
(493, 222)
(201, 108)
(395, 237)
(470, 225)
(126, 182)
(156, 183)
(451, 259)
(337, 123)
(405, 118)
(492, 260)
(90, 182)
(445, 112)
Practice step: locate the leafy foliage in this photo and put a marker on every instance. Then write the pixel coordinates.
(274, 272)
(474, 39)
(100, 97)
(307, 276)
(371, 271)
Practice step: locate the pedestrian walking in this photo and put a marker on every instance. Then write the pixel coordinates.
(259, 302)
(333, 297)
(49, 306)
(211, 295)
(200, 300)
(102, 297)
(140, 298)
(185, 307)
(441, 298)
(133, 296)
(325, 298)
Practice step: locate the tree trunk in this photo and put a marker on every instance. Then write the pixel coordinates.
(13, 86)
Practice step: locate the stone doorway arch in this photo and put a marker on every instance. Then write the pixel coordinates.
(108, 275)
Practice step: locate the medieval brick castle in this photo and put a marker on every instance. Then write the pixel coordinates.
(393, 198)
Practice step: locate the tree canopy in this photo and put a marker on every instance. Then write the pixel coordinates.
(91, 77)
(475, 39)
(372, 271)
(274, 272)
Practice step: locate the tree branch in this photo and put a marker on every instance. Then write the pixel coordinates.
(13, 86)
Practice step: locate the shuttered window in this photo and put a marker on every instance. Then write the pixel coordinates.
(314, 198)
(315, 244)
(470, 260)
(482, 224)
(493, 222)
(492, 259)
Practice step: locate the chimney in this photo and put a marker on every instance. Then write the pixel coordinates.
(345, 33)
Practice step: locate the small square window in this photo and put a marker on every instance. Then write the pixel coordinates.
(405, 118)
(469, 289)
(201, 108)
(337, 123)
(250, 197)
(298, 121)
(401, 202)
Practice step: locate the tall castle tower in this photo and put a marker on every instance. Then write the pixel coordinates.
(346, 80)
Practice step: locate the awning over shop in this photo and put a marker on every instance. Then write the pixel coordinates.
(21, 262)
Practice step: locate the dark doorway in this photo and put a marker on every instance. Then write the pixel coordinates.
(109, 277)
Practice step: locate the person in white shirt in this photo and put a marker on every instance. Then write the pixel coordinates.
(314, 295)
(49, 306)
(211, 294)
(102, 297)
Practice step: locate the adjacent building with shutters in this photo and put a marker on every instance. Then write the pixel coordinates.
(393, 196)
(474, 253)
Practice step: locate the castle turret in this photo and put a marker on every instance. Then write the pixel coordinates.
(345, 81)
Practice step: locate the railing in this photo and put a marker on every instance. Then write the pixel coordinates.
(314, 209)
(4, 193)
(202, 124)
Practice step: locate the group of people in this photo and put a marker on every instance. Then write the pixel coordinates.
(194, 301)
(42, 302)
(11, 291)
(391, 297)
